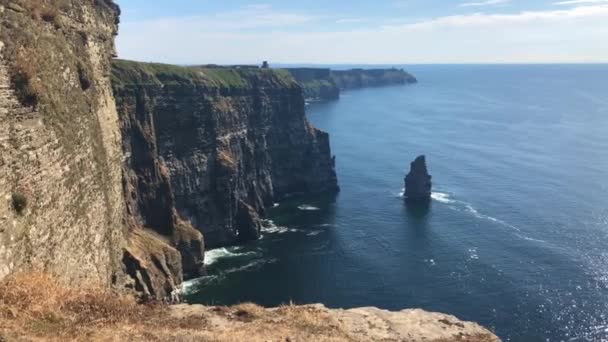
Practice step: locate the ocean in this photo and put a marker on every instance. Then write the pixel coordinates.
(515, 238)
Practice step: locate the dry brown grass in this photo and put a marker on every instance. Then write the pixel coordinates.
(42, 10)
(38, 302)
(35, 306)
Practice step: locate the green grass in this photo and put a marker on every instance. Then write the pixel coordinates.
(125, 73)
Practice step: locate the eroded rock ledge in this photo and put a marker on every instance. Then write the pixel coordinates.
(318, 323)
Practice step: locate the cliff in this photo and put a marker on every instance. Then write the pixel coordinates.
(317, 83)
(35, 307)
(362, 78)
(97, 196)
(212, 148)
(60, 157)
(324, 84)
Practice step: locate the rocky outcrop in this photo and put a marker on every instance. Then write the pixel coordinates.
(363, 78)
(418, 181)
(61, 202)
(317, 83)
(214, 147)
(318, 323)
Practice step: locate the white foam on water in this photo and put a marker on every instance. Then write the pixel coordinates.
(442, 197)
(186, 287)
(276, 205)
(431, 262)
(473, 253)
(529, 238)
(477, 214)
(306, 207)
(314, 233)
(214, 255)
(252, 265)
(269, 227)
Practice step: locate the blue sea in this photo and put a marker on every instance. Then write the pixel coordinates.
(516, 237)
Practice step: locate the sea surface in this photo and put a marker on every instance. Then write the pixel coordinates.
(516, 237)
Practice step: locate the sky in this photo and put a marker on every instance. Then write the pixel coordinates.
(364, 32)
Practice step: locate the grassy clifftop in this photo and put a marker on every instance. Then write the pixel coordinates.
(126, 73)
(36, 307)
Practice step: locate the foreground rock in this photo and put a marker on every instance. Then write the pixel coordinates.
(61, 199)
(317, 323)
(418, 183)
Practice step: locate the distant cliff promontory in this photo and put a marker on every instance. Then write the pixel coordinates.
(325, 84)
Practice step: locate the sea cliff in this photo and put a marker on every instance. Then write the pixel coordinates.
(362, 78)
(61, 198)
(211, 149)
(324, 84)
(114, 177)
(317, 83)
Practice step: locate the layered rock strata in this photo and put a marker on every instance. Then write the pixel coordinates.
(61, 199)
(216, 146)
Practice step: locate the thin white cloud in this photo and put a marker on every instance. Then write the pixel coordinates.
(257, 16)
(485, 3)
(483, 19)
(575, 34)
(351, 21)
(580, 2)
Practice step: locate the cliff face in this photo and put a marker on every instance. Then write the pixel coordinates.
(362, 78)
(214, 147)
(317, 83)
(323, 84)
(61, 206)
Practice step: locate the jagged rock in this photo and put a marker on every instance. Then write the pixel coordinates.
(247, 222)
(218, 145)
(418, 181)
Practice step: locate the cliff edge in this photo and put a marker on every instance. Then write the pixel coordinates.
(36, 307)
(211, 148)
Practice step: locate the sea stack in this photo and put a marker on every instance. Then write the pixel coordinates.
(418, 182)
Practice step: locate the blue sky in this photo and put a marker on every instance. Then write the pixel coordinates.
(364, 32)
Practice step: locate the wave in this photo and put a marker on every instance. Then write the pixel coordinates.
(446, 198)
(475, 213)
(215, 255)
(436, 196)
(306, 207)
(473, 253)
(192, 286)
(442, 197)
(269, 227)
